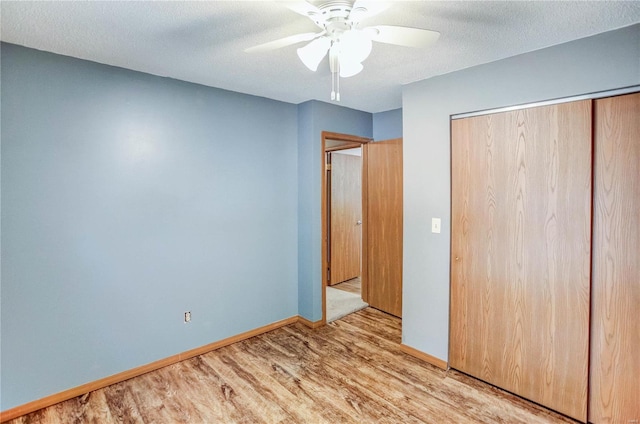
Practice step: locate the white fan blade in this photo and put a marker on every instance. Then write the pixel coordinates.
(305, 9)
(402, 36)
(364, 9)
(282, 42)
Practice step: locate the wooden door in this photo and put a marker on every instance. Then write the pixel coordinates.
(615, 322)
(520, 252)
(383, 226)
(346, 217)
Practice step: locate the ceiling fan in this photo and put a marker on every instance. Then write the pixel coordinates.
(341, 36)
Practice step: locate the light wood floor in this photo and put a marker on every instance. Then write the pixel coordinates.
(349, 371)
(352, 286)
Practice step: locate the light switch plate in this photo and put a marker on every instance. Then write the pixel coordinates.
(435, 225)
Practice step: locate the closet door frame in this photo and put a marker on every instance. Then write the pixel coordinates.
(588, 96)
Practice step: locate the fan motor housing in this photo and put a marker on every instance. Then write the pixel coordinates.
(334, 17)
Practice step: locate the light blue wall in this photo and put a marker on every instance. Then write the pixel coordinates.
(128, 199)
(606, 61)
(308, 265)
(313, 118)
(387, 125)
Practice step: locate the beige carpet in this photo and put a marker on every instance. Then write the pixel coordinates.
(341, 303)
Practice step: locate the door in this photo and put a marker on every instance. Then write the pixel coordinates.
(520, 252)
(346, 217)
(383, 226)
(615, 331)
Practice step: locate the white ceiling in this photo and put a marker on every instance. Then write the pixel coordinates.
(204, 42)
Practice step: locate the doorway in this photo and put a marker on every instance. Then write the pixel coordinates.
(342, 198)
(378, 231)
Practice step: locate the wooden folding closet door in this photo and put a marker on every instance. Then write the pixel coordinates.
(615, 323)
(520, 252)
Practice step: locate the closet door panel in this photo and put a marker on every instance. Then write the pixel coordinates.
(615, 327)
(521, 246)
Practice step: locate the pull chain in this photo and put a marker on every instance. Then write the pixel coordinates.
(338, 80)
(333, 84)
(334, 63)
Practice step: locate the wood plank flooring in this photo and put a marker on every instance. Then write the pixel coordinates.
(349, 371)
(352, 286)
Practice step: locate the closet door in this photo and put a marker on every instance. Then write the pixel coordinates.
(520, 252)
(615, 326)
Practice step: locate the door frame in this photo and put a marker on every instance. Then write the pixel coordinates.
(350, 141)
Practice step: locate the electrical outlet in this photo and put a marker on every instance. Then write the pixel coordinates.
(187, 316)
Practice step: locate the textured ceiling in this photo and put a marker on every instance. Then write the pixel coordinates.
(204, 42)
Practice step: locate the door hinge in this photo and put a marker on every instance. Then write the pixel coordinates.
(328, 167)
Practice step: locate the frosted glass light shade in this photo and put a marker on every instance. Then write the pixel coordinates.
(349, 68)
(313, 53)
(355, 45)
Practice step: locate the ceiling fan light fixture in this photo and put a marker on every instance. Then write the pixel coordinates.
(313, 53)
(348, 45)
